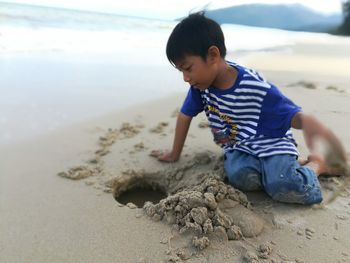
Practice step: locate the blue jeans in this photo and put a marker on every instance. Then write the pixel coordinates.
(280, 176)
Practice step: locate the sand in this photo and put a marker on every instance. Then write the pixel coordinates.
(58, 191)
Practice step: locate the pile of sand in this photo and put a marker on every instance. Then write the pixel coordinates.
(199, 205)
(210, 207)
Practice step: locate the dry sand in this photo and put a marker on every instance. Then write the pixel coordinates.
(49, 218)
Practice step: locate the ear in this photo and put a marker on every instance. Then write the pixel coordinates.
(214, 55)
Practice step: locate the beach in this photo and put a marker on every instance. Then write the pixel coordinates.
(77, 134)
(48, 218)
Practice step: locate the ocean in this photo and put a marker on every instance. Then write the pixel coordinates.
(61, 66)
(27, 28)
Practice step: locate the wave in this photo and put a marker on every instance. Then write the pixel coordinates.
(40, 16)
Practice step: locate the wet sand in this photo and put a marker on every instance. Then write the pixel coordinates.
(58, 191)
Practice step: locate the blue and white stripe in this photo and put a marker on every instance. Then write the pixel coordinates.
(243, 106)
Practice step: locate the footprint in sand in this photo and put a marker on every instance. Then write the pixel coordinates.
(304, 84)
(203, 124)
(105, 142)
(129, 131)
(140, 147)
(126, 131)
(81, 172)
(160, 127)
(334, 88)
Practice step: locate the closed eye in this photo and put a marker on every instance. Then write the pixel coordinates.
(188, 68)
(181, 68)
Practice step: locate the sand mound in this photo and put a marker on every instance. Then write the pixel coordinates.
(209, 206)
(198, 202)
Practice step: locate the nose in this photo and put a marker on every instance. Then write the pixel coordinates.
(186, 77)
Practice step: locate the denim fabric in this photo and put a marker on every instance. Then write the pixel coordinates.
(280, 176)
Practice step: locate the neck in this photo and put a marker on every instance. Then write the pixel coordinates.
(226, 76)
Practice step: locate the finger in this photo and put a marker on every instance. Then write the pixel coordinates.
(156, 153)
(303, 161)
(165, 159)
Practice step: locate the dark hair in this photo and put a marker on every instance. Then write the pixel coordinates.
(193, 36)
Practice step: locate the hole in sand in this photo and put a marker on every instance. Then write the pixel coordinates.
(139, 194)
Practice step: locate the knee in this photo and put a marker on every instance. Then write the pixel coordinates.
(242, 171)
(245, 179)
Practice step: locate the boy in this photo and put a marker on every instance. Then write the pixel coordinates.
(248, 116)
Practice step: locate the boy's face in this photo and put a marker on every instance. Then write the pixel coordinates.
(198, 72)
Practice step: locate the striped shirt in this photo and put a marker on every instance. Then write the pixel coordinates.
(252, 116)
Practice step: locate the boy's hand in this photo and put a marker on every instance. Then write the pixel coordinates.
(313, 128)
(164, 156)
(182, 125)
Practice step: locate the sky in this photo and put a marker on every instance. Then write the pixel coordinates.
(170, 9)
